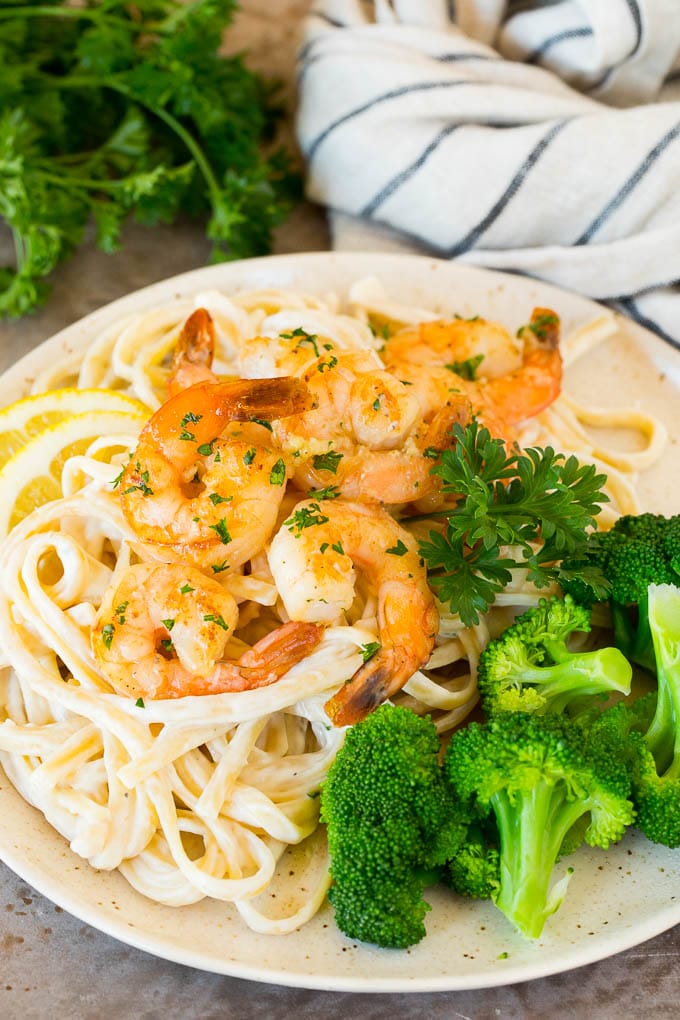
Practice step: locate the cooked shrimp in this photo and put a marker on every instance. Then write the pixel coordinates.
(313, 558)
(204, 495)
(511, 387)
(163, 630)
(364, 433)
(194, 352)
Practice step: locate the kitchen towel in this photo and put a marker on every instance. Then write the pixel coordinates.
(541, 138)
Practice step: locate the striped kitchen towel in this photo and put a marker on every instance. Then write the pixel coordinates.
(541, 138)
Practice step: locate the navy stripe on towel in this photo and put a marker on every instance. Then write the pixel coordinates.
(408, 172)
(513, 187)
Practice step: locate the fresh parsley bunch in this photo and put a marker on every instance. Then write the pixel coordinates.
(537, 504)
(113, 108)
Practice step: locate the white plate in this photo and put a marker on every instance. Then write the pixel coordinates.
(616, 899)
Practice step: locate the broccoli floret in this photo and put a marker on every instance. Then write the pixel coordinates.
(638, 551)
(539, 776)
(530, 668)
(474, 871)
(392, 825)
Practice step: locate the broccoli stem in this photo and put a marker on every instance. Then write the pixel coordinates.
(578, 674)
(532, 828)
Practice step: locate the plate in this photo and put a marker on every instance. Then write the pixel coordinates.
(616, 899)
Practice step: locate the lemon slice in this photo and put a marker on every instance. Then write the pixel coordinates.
(33, 475)
(24, 419)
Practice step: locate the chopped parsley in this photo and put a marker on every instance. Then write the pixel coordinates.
(326, 366)
(217, 568)
(108, 631)
(337, 547)
(277, 475)
(168, 624)
(397, 550)
(120, 611)
(260, 421)
(142, 485)
(376, 404)
(431, 452)
(324, 546)
(219, 620)
(215, 498)
(540, 325)
(304, 338)
(466, 369)
(327, 461)
(186, 588)
(329, 492)
(307, 517)
(222, 531)
(369, 650)
(139, 703)
(205, 449)
(249, 456)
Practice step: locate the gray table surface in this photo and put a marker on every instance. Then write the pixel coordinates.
(53, 965)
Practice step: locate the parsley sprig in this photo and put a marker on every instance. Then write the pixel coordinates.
(111, 110)
(536, 502)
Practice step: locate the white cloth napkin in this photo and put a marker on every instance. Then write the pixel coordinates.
(556, 153)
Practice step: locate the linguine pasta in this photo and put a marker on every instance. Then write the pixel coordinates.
(200, 796)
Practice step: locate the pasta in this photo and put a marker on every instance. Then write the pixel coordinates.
(200, 796)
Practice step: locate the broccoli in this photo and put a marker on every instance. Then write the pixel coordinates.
(539, 776)
(636, 552)
(655, 721)
(392, 825)
(474, 871)
(530, 668)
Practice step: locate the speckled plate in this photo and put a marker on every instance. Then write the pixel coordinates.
(616, 899)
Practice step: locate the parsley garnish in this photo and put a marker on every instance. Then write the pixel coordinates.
(277, 475)
(261, 421)
(142, 485)
(466, 369)
(376, 404)
(536, 501)
(108, 631)
(215, 498)
(397, 550)
(168, 624)
(540, 325)
(249, 456)
(326, 366)
(139, 703)
(219, 620)
(120, 611)
(369, 650)
(205, 449)
(115, 110)
(305, 338)
(337, 547)
(306, 517)
(330, 492)
(118, 479)
(186, 588)
(217, 568)
(222, 531)
(327, 461)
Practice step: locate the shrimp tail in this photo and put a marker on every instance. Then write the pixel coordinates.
(272, 656)
(194, 352)
(374, 682)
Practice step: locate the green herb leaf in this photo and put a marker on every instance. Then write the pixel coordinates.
(370, 649)
(536, 501)
(327, 461)
(397, 550)
(222, 531)
(277, 475)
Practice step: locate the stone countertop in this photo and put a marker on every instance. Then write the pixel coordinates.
(52, 964)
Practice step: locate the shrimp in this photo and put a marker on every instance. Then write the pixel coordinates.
(194, 352)
(162, 632)
(364, 433)
(201, 488)
(313, 558)
(512, 386)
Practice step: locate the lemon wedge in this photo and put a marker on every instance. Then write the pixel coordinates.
(24, 419)
(32, 476)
